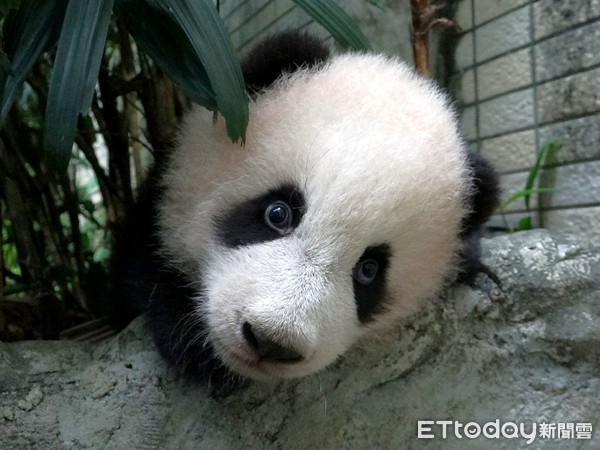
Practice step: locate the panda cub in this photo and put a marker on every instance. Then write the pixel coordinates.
(353, 201)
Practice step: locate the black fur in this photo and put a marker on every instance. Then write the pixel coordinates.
(281, 53)
(135, 262)
(143, 280)
(483, 201)
(484, 195)
(370, 298)
(245, 224)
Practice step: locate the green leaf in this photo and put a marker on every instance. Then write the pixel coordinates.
(335, 20)
(525, 224)
(7, 5)
(377, 3)
(26, 32)
(158, 35)
(5, 73)
(202, 25)
(524, 193)
(16, 288)
(550, 145)
(80, 47)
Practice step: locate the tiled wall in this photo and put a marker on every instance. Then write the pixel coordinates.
(529, 71)
(251, 20)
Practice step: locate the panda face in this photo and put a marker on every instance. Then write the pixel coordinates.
(339, 216)
(297, 291)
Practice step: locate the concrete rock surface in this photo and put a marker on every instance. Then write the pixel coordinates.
(526, 353)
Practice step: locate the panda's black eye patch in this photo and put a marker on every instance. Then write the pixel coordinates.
(368, 279)
(264, 218)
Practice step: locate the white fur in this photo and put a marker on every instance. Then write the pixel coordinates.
(375, 151)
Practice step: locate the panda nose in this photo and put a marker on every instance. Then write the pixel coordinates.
(267, 349)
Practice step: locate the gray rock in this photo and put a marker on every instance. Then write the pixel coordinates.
(528, 352)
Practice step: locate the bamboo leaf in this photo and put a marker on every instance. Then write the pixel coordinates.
(76, 67)
(377, 3)
(160, 37)
(202, 25)
(7, 5)
(524, 193)
(335, 20)
(5, 73)
(26, 32)
(550, 145)
(96, 50)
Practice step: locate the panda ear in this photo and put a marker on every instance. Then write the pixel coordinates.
(280, 53)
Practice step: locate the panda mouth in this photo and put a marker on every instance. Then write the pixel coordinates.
(246, 362)
(259, 368)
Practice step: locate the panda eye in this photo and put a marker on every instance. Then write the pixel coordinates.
(279, 216)
(366, 271)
